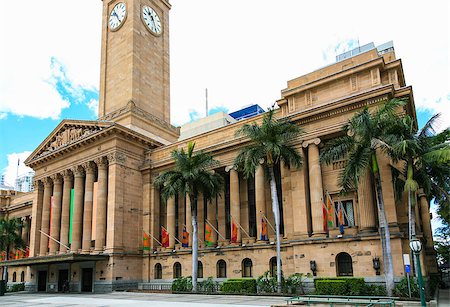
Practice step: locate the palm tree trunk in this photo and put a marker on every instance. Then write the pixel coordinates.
(5, 268)
(384, 229)
(194, 242)
(276, 213)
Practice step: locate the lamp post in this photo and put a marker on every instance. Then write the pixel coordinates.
(416, 247)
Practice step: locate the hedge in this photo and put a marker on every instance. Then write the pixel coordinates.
(239, 285)
(331, 287)
(351, 286)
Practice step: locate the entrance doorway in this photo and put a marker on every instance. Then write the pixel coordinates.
(42, 281)
(63, 279)
(86, 280)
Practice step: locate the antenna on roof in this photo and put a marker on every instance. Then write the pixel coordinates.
(206, 100)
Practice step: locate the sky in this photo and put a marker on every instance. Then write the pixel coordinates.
(243, 52)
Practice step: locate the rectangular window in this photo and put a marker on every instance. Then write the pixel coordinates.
(347, 213)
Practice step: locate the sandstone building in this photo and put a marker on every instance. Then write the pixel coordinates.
(94, 197)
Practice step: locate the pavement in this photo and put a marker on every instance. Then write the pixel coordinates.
(135, 299)
(444, 298)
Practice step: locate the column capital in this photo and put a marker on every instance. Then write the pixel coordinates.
(89, 167)
(37, 185)
(57, 178)
(230, 168)
(67, 175)
(78, 171)
(116, 157)
(315, 141)
(102, 162)
(47, 182)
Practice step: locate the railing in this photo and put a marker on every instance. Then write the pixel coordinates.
(340, 300)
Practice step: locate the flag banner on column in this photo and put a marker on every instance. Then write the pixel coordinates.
(12, 255)
(234, 232)
(341, 218)
(208, 235)
(263, 235)
(3, 256)
(325, 217)
(164, 237)
(72, 196)
(185, 239)
(52, 201)
(146, 242)
(19, 254)
(27, 252)
(329, 210)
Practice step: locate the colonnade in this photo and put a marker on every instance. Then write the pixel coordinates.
(59, 221)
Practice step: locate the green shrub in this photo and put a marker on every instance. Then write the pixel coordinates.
(295, 282)
(353, 286)
(182, 284)
(401, 289)
(239, 285)
(331, 287)
(17, 287)
(266, 283)
(208, 286)
(374, 290)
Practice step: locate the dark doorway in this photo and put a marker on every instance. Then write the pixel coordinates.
(86, 280)
(63, 276)
(42, 281)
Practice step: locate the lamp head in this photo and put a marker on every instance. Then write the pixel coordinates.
(415, 245)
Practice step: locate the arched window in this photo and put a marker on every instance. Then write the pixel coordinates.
(221, 269)
(247, 267)
(177, 270)
(22, 276)
(14, 277)
(344, 265)
(158, 271)
(200, 270)
(273, 266)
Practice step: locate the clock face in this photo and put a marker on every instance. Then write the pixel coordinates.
(151, 20)
(117, 16)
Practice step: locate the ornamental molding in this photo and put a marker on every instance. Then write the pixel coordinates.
(117, 158)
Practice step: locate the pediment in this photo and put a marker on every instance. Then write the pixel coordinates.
(67, 133)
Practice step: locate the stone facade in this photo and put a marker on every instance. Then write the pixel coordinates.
(94, 196)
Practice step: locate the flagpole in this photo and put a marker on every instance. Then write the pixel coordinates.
(172, 235)
(53, 239)
(240, 227)
(267, 220)
(152, 237)
(198, 238)
(215, 229)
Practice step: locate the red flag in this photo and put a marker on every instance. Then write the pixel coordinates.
(234, 232)
(330, 210)
(208, 235)
(164, 237)
(341, 218)
(325, 217)
(146, 242)
(3, 256)
(185, 240)
(27, 252)
(263, 235)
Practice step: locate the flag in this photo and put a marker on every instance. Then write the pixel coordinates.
(208, 235)
(185, 239)
(146, 242)
(3, 256)
(325, 217)
(234, 232)
(263, 235)
(11, 255)
(164, 237)
(27, 252)
(341, 218)
(329, 211)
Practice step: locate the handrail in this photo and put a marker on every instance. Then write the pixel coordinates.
(342, 300)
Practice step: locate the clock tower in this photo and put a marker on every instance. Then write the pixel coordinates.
(134, 81)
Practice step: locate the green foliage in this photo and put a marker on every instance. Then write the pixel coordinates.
(239, 285)
(401, 289)
(182, 284)
(17, 287)
(267, 283)
(208, 286)
(331, 287)
(373, 290)
(10, 234)
(295, 283)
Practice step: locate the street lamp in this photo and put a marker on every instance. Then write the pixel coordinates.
(416, 247)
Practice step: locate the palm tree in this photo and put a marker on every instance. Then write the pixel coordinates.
(191, 175)
(10, 237)
(426, 155)
(269, 145)
(363, 135)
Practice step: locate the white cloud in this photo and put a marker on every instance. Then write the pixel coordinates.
(93, 106)
(11, 171)
(3, 115)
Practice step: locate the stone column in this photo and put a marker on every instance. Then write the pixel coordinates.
(260, 199)
(102, 195)
(221, 218)
(201, 219)
(77, 221)
(366, 203)
(45, 221)
(36, 218)
(211, 216)
(171, 221)
(56, 213)
(25, 229)
(286, 201)
(189, 219)
(88, 203)
(181, 216)
(235, 203)
(426, 221)
(65, 210)
(315, 186)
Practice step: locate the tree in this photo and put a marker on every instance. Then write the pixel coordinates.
(426, 156)
(362, 136)
(10, 238)
(270, 144)
(192, 174)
